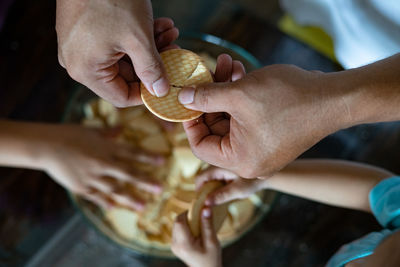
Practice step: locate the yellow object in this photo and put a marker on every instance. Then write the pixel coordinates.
(189, 164)
(219, 212)
(184, 68)
(315, 37)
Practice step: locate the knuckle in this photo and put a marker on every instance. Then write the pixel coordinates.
(120, 103)
(60, 59)
(74, 73)
(151, 71)
(250, 172)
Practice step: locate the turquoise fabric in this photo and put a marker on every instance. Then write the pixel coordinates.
(384, 200)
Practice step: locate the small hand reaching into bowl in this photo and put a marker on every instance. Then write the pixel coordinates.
(204, 250)
(84, 161)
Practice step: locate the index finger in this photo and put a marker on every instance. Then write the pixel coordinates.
(115, 89)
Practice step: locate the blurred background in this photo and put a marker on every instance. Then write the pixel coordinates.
(39, 226)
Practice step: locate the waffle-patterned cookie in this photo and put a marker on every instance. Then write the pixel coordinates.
(184, 68)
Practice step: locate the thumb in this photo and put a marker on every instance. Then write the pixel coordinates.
(213, 97)
(150, 69)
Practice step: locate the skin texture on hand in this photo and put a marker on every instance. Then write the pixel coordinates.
(82, 160)
(274, 114)
(87, 163)
(110, 45)
(204, 250)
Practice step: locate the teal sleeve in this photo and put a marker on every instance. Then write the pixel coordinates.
(384, 200)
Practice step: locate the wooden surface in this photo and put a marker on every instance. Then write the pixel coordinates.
(34, 87)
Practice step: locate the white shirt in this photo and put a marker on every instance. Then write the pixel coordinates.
(363, 31)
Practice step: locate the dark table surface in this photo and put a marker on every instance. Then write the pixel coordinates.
(34, 87)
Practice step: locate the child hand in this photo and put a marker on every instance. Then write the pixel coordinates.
(89, 164)
(202, 251)
(236, 187)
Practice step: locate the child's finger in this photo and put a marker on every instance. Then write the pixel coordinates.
(125, 172)
(208, 233)
(222, 195)
(127, 199)
(128, 154)
(181, 233)
(99, 199)
(237, 189)
(214, 173)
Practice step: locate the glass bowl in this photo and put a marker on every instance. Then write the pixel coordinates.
(196, 42)
(215, 46)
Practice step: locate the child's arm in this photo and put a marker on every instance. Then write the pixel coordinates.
(23, 144)
(80, 159)
(334, 182)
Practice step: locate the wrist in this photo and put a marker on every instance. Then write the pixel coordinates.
(367, 94)
(40, 144)
(47, 144)
(348, 100)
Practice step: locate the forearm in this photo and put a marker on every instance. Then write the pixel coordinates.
(368, 94)
(333, 182)
(22, 144)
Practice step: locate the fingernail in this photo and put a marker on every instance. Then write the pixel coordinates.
(206, 213)
(149, 88)
(161, 87)
(186, 95)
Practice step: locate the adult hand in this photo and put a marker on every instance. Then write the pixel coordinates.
(275, 114)
(89, 164)
(110, 45)
(235, 188)
(204, 250)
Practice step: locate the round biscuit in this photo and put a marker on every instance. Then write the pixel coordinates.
(184, 68)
